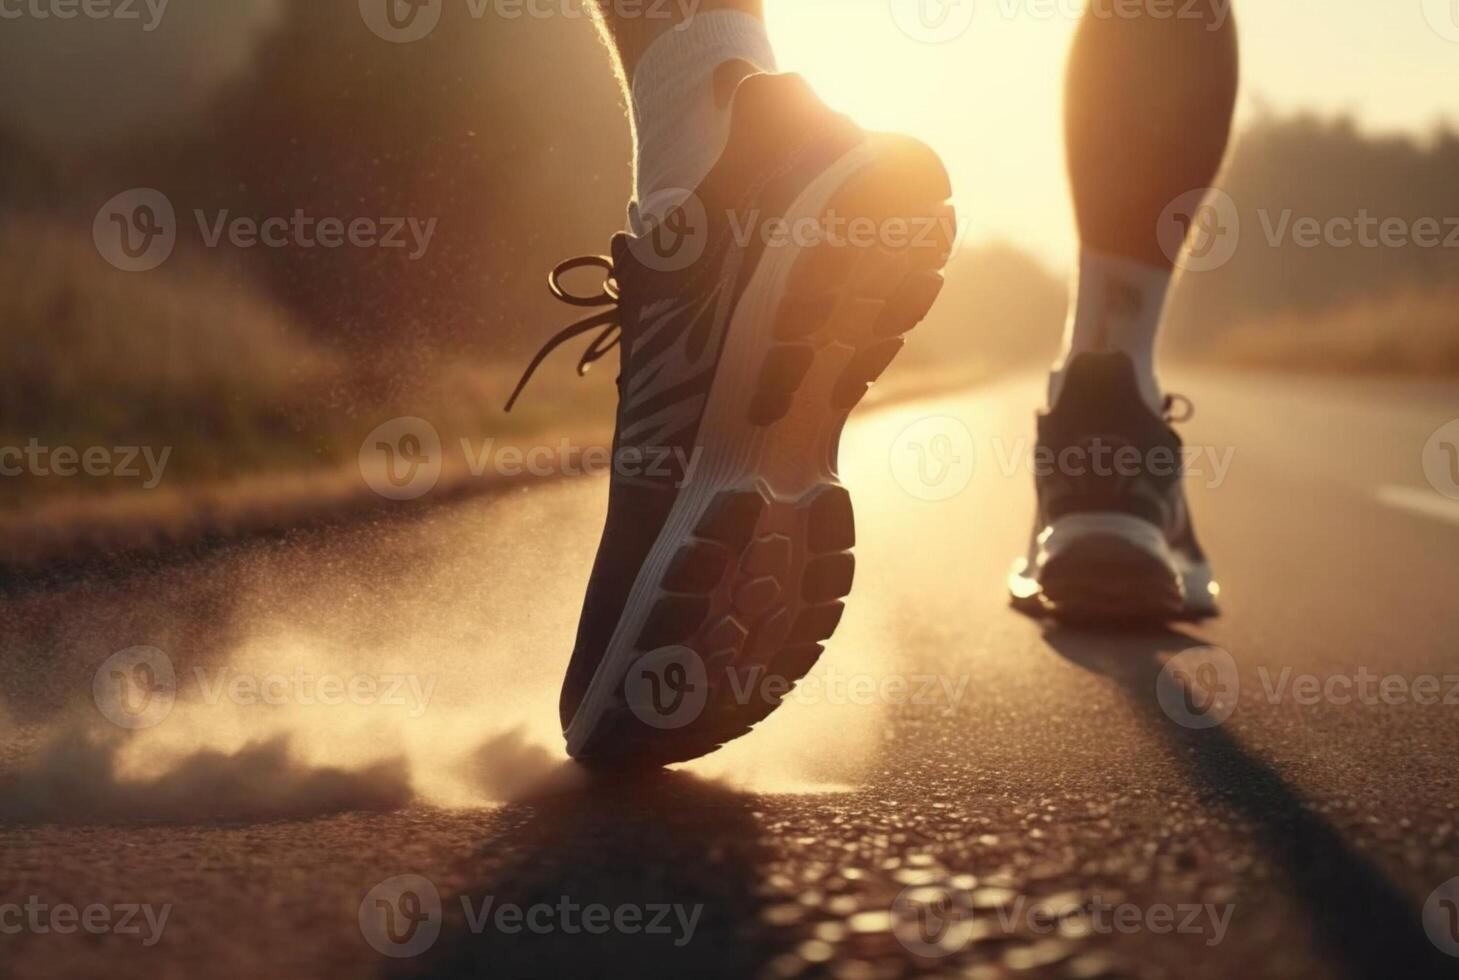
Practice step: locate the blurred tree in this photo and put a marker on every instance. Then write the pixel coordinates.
(27, 177)
(508, 133)
(1288, 168)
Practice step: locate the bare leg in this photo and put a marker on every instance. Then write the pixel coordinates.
(1149, 104)
(1148, 116)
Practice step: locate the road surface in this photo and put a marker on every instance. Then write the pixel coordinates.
(957, 790)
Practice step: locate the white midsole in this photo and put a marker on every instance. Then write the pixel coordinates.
(1066, 531)
(1196, 577)
(729, 446)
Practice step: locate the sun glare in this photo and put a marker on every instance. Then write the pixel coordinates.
(988, 102)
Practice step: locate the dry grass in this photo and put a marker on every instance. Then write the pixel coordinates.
(184, 357)
(1413, 332)
(196, 360)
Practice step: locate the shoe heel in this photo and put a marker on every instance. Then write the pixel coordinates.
(875, 274)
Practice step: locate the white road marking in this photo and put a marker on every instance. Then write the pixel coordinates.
(1417, 500)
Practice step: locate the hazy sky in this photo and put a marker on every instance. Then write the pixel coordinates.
(990, 99)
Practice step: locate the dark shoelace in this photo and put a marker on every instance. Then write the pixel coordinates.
(603, 343)
(1188, 410)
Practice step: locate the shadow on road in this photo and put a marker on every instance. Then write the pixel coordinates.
(1360, 917)
(662, 841)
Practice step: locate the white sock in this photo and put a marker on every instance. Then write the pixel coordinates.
(679, 126)
(1117, 306)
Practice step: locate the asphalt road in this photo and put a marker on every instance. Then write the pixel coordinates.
(958, 789)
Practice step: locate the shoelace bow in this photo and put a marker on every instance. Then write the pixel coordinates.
(608, 296)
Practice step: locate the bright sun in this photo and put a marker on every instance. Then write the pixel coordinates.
(989, 102)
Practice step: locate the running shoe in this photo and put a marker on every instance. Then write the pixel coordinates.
(1113, 539)
(751, 319)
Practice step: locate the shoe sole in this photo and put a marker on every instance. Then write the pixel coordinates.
(1111, 569)
(746, 581)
